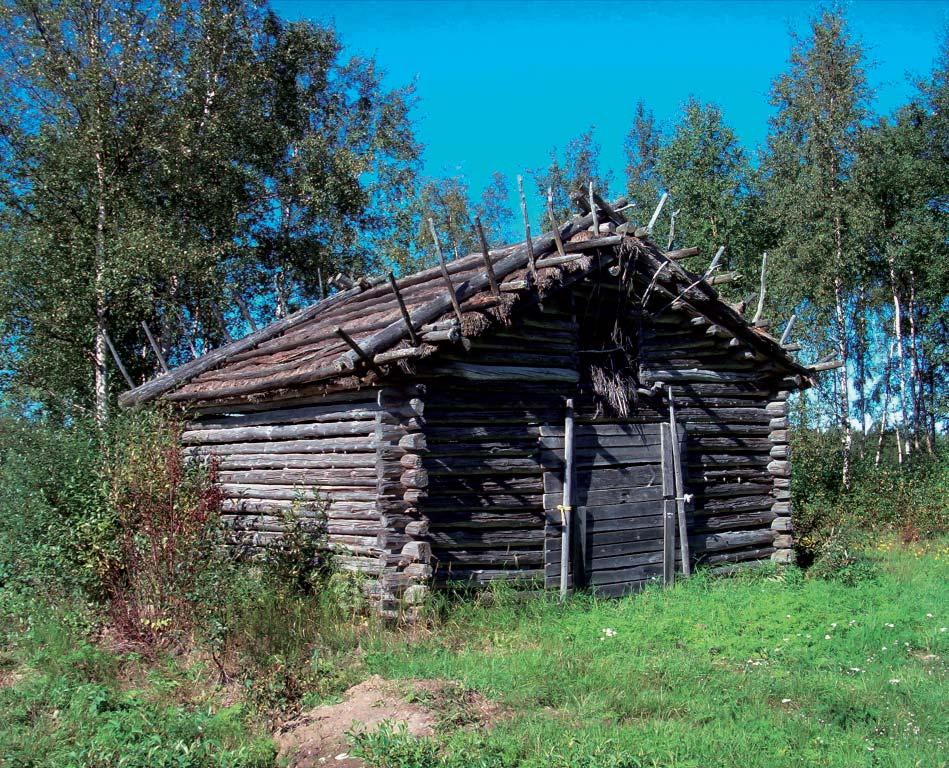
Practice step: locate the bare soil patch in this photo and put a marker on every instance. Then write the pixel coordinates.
(318, 737)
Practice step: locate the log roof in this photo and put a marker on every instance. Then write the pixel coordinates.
(307, 348)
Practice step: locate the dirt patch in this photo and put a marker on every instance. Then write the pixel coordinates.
(318, 737)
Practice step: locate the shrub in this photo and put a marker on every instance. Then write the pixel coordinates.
(166, 516)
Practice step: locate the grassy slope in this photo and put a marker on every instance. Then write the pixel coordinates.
(745, 673)
(711, 673)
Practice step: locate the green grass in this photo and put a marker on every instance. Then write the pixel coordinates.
(769, 670)
(760, 671)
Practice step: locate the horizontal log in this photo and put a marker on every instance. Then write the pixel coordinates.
(246, 461)
(483, 485)
(472, 519)
(475, 372)
(484, 538)
(312, 414)
(343, 510)
(651, 376)
(717, 542)
(733, 522)
(363, 444)
(715, 506)
(480, 465)
(289, 432)
(291, 493)
(502, 558)
(436, 506)
(302, 477)
(608, 497)
(628, 477)
(644, 432)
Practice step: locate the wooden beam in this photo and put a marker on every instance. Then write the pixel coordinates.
(762, 290)
(679, 489)
(555, 227)
(596, 220)
(527, 229)
(566, 506)
(683, 253)
(655, 213)
(787, 330)
(445, 276)
(413, 336)
(155, 348)
(118, 360)
(489, 266)
(668, 506)
(358, 350)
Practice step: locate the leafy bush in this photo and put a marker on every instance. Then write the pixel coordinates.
(166, 517)
(54, 528)
(907, 500)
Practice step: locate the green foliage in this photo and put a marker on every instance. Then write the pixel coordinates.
(830, 519)
(572, 171)
(302, 560)
(158, 158)
(54, 530)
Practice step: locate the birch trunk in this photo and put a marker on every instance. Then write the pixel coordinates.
(886, 405)
(919, 393)
(843, 394)
(100, 351)
(900, 351)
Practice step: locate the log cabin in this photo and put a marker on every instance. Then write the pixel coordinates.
(576, 410)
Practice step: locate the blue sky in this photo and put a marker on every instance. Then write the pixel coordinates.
(502, 83)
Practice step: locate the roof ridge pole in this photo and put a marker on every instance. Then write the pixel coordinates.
(596, 221)
(527, 229)
(555, 227)
(413, 336)
(445, 275)
(155, 348)
(492, 278)
(761, 293)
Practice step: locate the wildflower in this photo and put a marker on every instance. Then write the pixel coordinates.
(883, 648)
(827, 637)
(834, 625)
(609, 632)
(785, 701)
(929, 616)
(942, 629)
(894, 680)
(889, 625)
(856, 669)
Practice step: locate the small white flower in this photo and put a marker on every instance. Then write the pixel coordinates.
(785, 701)
(929, 616)
(889, 625)
(856, 669)
(609, 632)
(883, 648)
(942, 629)
(894, 680)
(827, 637)
(342, 756)
(834, 625)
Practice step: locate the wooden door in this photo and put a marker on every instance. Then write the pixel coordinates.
(620, 513)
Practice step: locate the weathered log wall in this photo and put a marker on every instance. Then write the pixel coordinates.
(481, 497)
(738, 464)
(315, 460)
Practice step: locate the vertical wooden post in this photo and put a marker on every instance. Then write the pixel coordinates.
(762, 290)
(566, 505)
(668, 506)
(679, 489)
